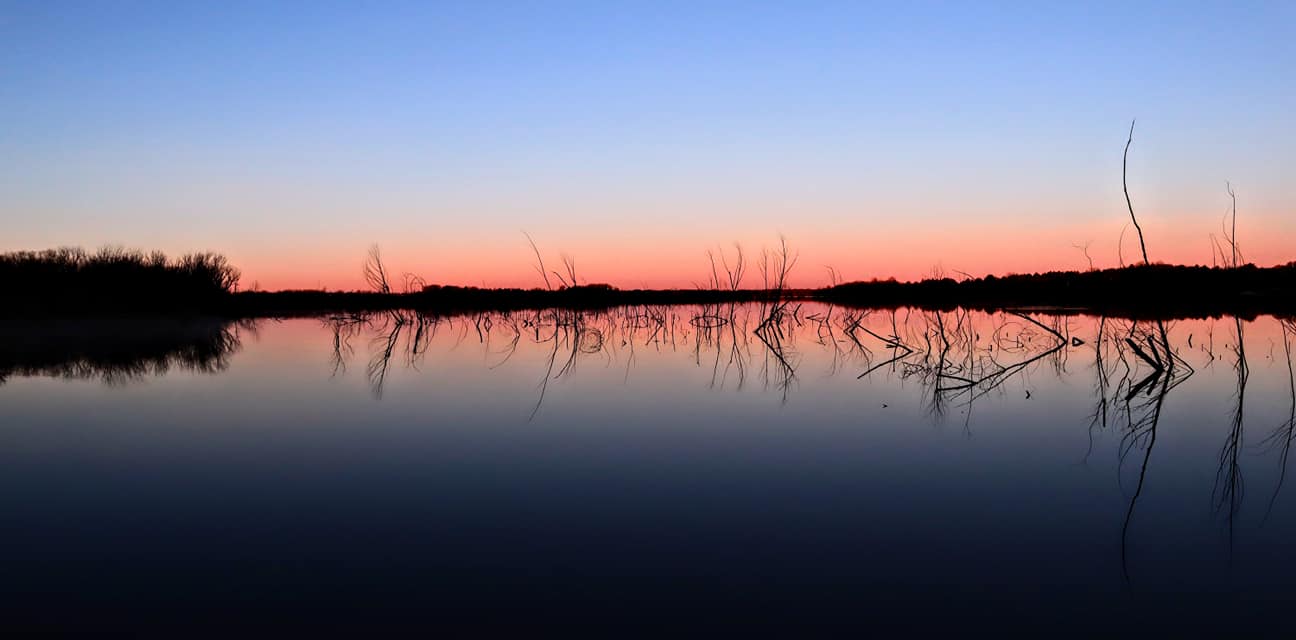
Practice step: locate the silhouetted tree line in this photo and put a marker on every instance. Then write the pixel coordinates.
(113, 279)
(1138, 289)
(448, 299)
(1154, 290)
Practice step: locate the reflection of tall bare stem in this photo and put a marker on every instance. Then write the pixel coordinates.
(1228, 476)
(1143, 413)
(1283, 435)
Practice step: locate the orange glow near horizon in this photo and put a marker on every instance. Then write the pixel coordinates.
(951, 249)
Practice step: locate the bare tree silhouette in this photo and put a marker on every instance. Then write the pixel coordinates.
(539, 265)
(1125, 186)
(375, 273)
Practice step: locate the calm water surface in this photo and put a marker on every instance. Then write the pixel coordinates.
(650, 469)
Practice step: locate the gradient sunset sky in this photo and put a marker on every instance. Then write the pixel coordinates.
(882, 139)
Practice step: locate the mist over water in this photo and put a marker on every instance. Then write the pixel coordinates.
(733, 464)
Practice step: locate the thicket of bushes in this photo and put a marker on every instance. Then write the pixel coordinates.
(1169, 288)
(113, 279)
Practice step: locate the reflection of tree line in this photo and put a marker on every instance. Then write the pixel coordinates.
(119, 351)
(955, 358)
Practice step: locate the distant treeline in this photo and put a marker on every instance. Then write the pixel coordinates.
(450, 299)
(114, 280)
(1155, 289)
(1142, 290)
(72, 281)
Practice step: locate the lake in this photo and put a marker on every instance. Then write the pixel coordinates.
(650, 469)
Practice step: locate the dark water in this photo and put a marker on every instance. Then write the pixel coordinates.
(650, 470)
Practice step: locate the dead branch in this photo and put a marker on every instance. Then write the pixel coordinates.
(1125, 186)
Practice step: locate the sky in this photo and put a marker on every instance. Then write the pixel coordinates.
(882, 140)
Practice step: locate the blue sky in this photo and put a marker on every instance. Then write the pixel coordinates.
(292, 135)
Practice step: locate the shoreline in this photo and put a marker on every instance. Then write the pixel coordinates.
(1144, 291)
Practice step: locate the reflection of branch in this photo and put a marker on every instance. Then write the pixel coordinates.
(508, 351)
(1144, 429)
(548, 374)
(976, 387)
(381, 360)
(1228, 477)
(952, 357)
(1155, 418)
(1099, 416)
(343, 327)
(896, 348)
(1155, 363)
(1283, 435)
(770, 333)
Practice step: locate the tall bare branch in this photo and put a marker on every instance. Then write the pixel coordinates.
(539, 265)
(1125, 186)
(1233, 234)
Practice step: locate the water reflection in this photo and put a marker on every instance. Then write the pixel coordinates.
(118, 351)
(830, 446)
(954, 358)
(1228, 478)
(1281, 437)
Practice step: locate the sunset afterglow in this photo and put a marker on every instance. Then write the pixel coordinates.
(884, 142)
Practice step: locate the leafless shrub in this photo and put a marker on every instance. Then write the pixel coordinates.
(375, 273)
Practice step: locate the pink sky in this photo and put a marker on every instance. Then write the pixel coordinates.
(659, 261)
(883, 141)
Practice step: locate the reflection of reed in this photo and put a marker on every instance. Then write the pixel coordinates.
(1140, 431)
(1102, 384)
(1142, 402)
(721, 330)
(1228, 476)
(899, 350)
(777, 367)
(952, 356)
(405, 332)
(952, 359)
(991, 374)
(1281, 437)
